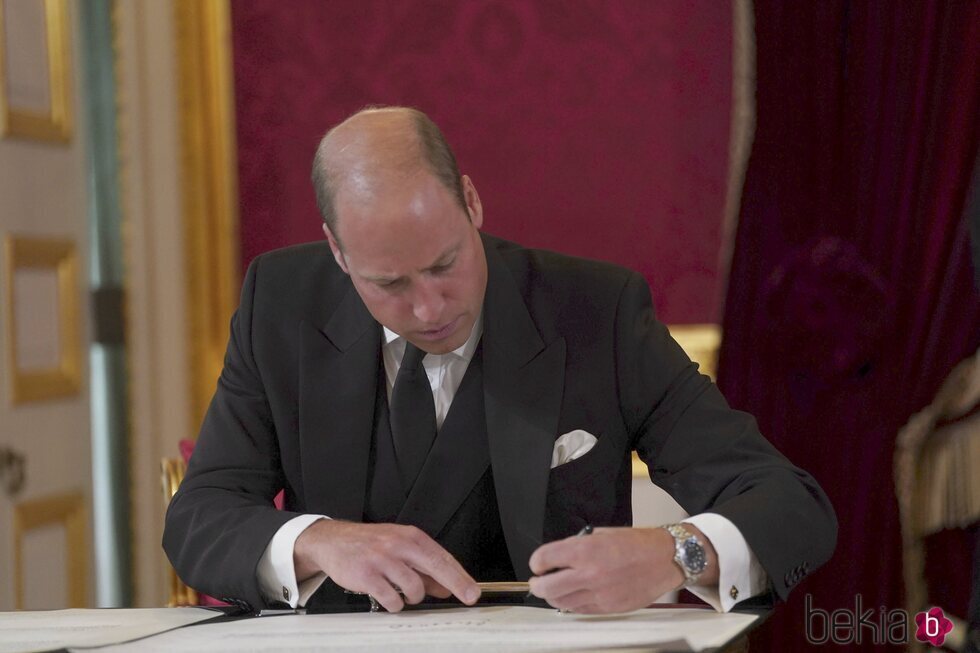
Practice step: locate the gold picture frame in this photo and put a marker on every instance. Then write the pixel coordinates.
(64, 378)
(32, 108)
(68, 511)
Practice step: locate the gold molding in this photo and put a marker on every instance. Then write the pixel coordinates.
(701, 343)
(61, 256)
(56, 124)
(210, 187)
(67, 510)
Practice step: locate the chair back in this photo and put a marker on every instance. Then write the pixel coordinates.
(172, 473)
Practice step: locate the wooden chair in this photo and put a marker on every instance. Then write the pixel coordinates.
(937, 484)
(172, 473)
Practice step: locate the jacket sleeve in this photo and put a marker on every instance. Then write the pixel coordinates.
(711, 458)
(222, 516)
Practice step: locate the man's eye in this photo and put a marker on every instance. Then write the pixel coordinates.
(439, 269)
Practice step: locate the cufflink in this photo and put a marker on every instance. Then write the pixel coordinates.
(285, 593)
(733, 592)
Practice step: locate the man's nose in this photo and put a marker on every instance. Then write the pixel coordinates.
(428, 303)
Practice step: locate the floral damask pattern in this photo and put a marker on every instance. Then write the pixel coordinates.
(593, 127)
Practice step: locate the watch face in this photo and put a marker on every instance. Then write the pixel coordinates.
(694, 557)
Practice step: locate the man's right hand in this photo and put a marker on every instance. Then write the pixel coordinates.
(378, 558)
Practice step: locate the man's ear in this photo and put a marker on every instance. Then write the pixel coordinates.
(338, 255)
(473, 205)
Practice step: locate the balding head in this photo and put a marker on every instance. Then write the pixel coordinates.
(375, 148)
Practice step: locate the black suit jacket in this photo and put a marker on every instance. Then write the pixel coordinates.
(567, 344)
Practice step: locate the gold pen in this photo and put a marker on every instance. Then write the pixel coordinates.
(487, 588)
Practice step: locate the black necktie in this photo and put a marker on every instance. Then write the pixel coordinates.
(413, 415)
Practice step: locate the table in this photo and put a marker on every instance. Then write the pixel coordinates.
(479, 629)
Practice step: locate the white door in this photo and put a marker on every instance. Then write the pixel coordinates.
(45, 523)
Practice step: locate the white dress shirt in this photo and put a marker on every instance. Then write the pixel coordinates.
(741, 575)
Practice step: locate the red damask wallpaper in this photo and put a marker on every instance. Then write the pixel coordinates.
(593, 127)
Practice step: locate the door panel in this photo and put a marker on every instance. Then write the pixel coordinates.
(45, 527)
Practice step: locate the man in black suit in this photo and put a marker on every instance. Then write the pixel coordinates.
(439, 405)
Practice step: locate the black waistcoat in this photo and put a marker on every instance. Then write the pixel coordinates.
(473, 534)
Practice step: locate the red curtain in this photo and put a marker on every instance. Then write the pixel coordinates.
(851, 291)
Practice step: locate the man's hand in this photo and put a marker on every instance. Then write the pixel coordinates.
(612, 570)
(378, 558)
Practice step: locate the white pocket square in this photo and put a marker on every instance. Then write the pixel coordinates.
(572, 445)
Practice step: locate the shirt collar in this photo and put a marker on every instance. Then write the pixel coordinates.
(464, 351)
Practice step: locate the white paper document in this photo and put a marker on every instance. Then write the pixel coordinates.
(484, 629)
(43, 630)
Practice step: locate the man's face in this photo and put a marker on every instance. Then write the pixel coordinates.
(415, 258)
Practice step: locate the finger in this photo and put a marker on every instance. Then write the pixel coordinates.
(407, 580)
(588, 608)
(573, 600)
(382, 592)
(557, 584)
(556, 555)
(431, 559)
(432, 588)
(541, 560)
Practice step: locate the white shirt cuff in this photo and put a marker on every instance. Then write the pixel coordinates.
(740, 575)
(277, 574)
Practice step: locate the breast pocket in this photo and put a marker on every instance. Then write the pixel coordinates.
(584, 491)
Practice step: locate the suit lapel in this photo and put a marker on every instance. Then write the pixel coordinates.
(523, 385)
(337, 388)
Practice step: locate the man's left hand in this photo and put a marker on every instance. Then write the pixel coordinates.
(612, 570)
